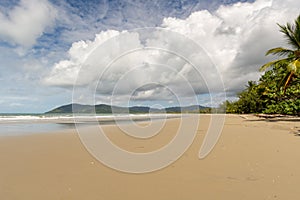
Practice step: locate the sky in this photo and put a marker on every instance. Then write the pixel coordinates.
(157, 53)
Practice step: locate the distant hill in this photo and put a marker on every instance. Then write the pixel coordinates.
(107, 109)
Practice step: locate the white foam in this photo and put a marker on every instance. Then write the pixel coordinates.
(77, 118)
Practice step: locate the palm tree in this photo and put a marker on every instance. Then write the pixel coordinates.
(291, 62)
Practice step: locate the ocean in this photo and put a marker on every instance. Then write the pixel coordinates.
(22, 124)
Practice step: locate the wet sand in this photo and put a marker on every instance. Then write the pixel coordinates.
(255, 158)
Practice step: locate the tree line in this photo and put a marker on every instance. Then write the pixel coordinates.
(278, 89)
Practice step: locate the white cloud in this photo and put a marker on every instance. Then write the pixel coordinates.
(65, 72)
(148, 64)
(125, 64)
(237, 36)
(26, 22)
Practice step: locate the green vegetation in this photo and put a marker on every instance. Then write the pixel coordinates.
(278, 90)
(107, 109)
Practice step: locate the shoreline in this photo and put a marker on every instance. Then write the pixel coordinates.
(26, 124)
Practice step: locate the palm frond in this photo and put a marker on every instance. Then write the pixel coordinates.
(288, 32)
(274, 63)
(294, 66)
(291, 64)
(297, 29)
(280, 51)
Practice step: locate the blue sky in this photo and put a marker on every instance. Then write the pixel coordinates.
(42, 44)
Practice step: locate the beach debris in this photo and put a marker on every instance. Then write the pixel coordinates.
(267, 116)
(295, 130)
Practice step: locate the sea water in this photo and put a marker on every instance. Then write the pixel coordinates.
(20, 124)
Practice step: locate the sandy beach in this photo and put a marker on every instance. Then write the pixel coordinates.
(255, 158)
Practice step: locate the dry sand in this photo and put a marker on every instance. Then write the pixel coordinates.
(253, 159)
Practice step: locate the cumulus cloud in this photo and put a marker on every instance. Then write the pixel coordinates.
(26, 22)
(65, 72)
(237, 36)
(122, 66)
(187, 57)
